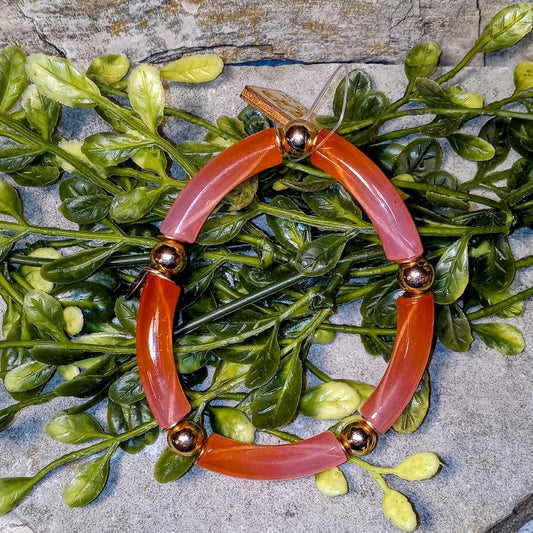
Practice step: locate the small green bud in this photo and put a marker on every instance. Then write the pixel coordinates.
(331, 482)
(323, 336)
(422, 465)
(330, 401)
(68, 372)
(399, 510)
(33, 274)
(523, 76)
(72, 320)
(232, 423)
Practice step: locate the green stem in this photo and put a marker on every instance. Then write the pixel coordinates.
(77, 234)
(504, 304)
(75, 346)
(462, 64)
(179, 113)
(110, 443)
(357, 330)
(322, 376)
(10, 290)
(282, 435)
(409, 185)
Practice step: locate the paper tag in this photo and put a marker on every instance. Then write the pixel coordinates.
(276, 105)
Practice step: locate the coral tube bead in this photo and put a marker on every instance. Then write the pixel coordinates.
(376, 194)
(218, 178)
(414, 336)
(155, 357)
(281, 461)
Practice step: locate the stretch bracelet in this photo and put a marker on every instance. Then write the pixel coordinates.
(401, 243)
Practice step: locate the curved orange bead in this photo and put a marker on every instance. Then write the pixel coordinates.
(414, 336)
(376, 194)
(155, 356)
(282, 461)
(218, 178)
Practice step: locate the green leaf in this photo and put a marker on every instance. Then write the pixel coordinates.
(494, 265)
(288, 233)
(111, 149)
(451, 272)
(59, 80)
(275, 403)
(493, 295)
(421, 60)
(506, 28)
(170, 467)
(95, 301)
(76, 267)
(89, 382)
(134, 204)
(453, 328)
(496, 132)
(52, 354)
(108, 69)
(151, 158)
(74, 428)
(193, 69)
(521, 134)
(471, 147)
(321, 255)
(14, 157)
(83, 202)
(432, 92)
(28, 376)
(127, 389)
(266, 362)
(126, 312)
(359, 83)
(10, 203)
(147, 96)
(221, 228)
(334, 203)
(13, 78)
(13, 490)
(371, 105)
(44, 312)
(523, 76)
(415, 412)
(36, 176)
(505, 338)
(41, 112)
(419, 157)
(122, 418)
(88, 482)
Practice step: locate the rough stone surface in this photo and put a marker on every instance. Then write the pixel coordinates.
(300, 30)
(480, 420)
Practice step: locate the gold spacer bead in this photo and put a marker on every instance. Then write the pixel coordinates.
(298, 137)
(416, 276)
(358, 438)
(186, 438)
(168, 257)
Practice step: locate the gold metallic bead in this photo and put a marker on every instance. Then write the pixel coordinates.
(358, 438)
(416, 276)
(298, 137)
(186, 438)
(168, 257)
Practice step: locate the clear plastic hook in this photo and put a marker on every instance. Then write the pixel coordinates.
(319, 100)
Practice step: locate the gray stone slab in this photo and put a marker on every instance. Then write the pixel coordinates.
(480, 420)
(301, 30)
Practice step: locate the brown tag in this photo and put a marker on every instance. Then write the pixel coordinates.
(276, 105)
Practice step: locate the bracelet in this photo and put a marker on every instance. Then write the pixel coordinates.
(401, 243)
